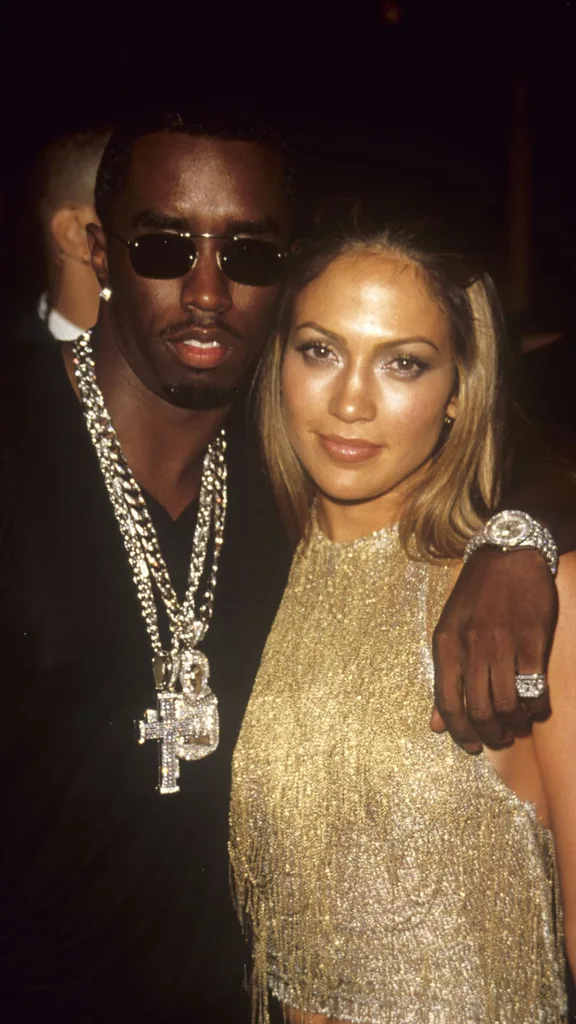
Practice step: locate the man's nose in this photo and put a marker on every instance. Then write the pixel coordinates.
(205, 287)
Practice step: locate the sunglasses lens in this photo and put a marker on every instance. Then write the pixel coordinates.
(252, 261)
(248, 261)
(162, 257)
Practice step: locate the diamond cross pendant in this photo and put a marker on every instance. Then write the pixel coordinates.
(186, 726)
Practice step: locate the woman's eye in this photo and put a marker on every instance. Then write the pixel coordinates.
(408, 366)
(315, 351)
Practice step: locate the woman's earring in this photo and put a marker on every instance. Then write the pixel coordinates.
(106, 294)
(448, 420)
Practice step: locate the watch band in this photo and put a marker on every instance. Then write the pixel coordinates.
(511, 530)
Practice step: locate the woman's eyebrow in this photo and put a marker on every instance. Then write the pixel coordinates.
(333, 336)
(412, 340)
(321, 330)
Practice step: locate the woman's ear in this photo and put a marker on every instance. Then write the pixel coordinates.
(452, 407)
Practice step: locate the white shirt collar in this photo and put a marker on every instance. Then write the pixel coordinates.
(59, 326)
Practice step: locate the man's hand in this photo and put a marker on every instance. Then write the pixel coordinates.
(498, 621)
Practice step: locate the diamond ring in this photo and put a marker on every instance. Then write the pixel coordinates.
(530, 685)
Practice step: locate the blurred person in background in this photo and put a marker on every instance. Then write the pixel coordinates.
(63, 191)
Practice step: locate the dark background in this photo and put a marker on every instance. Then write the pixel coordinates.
(461, 110)
(407, 103)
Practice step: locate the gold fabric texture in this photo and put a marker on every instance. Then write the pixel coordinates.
(384, 876)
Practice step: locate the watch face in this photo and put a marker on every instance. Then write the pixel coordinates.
(508, 529)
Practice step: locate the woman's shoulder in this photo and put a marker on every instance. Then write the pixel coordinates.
(566, 583)
(563, 652)
(567, 569)
(564, 645)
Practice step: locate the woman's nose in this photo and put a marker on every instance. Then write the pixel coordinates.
(352, 399)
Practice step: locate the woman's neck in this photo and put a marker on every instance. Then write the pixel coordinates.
(344, 522)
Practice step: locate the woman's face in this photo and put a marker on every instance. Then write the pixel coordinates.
(367, 379)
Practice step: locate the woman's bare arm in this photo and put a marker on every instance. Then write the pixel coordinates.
(555, 747)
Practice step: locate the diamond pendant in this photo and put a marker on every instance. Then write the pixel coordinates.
(186, 724)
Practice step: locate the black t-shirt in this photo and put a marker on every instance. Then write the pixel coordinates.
(115, 900)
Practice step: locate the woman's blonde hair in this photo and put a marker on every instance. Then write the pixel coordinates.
(461, 486)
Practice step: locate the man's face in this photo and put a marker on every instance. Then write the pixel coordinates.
(191, 340)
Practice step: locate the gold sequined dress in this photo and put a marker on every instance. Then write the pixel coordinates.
(384, 876)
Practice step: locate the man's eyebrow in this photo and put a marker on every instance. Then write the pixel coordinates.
(416, 339)
(165, 222)
(265, 226)
(159, 220)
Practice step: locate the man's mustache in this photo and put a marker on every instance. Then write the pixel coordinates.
(207, 322)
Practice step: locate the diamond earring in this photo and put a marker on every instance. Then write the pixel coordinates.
(106, 294)
(448, 421)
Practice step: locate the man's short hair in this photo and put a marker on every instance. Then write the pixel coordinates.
(66, 171)
(115, 165)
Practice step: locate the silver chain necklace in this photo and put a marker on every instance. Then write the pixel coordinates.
(185, 720)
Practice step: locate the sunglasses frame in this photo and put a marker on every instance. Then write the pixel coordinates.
(133, 244)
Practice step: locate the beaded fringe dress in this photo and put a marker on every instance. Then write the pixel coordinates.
(383, 875)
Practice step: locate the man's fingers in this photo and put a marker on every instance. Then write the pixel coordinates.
(448, 693)
(505, 701)
(497, 622)
(437, 723)
(478, 691)
(487, 726)
(538, 707)
(534, 643)
(531, 661)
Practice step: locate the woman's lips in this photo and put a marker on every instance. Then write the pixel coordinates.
(348, 449)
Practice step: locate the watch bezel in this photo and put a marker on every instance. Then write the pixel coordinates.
(494, 527)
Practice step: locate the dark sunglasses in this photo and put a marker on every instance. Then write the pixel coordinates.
(168, 255)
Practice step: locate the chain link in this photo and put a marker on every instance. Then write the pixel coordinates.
(137, 528)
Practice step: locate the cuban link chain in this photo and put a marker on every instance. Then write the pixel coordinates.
(185, 721)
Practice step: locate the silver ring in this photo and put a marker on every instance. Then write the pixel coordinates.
(530, 686)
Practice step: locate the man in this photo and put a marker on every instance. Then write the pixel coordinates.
(116, 904)
(64, 184)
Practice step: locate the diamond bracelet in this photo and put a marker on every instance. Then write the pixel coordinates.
(512, 529)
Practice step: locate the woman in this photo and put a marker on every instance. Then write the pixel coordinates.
(384, 875)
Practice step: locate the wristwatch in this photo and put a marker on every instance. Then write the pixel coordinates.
(511, 530)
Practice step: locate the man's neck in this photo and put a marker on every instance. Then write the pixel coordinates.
(163, 444)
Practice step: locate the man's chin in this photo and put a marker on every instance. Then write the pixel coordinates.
(199, 395)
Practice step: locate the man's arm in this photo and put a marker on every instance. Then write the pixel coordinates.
(500, 619)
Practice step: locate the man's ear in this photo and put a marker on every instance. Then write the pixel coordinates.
(68, 231)
(99, 252)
